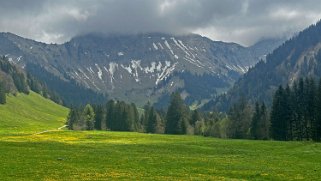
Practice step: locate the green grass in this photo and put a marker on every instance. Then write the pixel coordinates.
(101, 155)
(72, 155)
(30, 113)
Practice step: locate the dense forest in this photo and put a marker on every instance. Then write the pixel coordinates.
(120, 116)
(296, 111)
(295, 115)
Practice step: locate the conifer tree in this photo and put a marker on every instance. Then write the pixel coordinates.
(279, 115)
(89, 117)
(3, 99)
(196, 116)
(288, 112)
(100, 117)
(110, 115)
(176, 116)
(260, 123)
(145, 118)
(255, 122)
(135, 118)
(74, 118)
(265, 122)
(316, 130)
(239, 120)
(154, 122)
(310, 107)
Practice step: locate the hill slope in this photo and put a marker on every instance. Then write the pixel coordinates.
(297, 58)
(30, 113)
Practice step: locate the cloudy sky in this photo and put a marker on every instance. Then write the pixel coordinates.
(241, 21)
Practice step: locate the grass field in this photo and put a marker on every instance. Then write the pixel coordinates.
(100, 155)
(30, 113)
(69, 155)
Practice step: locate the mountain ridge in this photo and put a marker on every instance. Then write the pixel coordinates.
(134, 68)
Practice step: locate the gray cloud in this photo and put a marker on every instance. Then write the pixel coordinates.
(241, 21)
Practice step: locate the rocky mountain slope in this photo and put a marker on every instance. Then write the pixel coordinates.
(297, 58)
(136, 68)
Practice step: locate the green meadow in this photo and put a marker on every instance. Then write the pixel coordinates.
(30, 113)
(101, 155)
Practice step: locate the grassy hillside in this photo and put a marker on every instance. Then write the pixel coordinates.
(72, 155)
(30, 113)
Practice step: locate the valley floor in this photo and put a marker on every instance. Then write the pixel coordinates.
(97, 155)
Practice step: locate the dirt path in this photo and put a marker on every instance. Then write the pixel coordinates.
(50, 130)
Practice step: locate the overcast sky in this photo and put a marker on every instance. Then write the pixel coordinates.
(240, 21)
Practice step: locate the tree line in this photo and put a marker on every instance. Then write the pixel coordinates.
(294, 115)
(120, 116)
(296, 111)
(115, 115)
(177, 119)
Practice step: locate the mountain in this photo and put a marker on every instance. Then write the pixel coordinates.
(134, 68)
(297, 58)
(260, 48)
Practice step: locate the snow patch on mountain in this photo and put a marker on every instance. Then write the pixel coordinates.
(111, 70)
(136, 65)
(166, 71)
(91, 70)
(19, 58)
(183, 45)
(85, 75)
(160, 45)
(99, 73)
(169, 47)
(155, 46)
(150, 69)
(180, 46)
(128, 69)
(159, 66)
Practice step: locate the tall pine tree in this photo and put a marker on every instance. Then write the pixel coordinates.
(177, 115)
(279, 115)
(255, 122)
(316, 126)
(3, 99)
(239, 120)
(100, 117)
(260, 123)
(89, 116)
